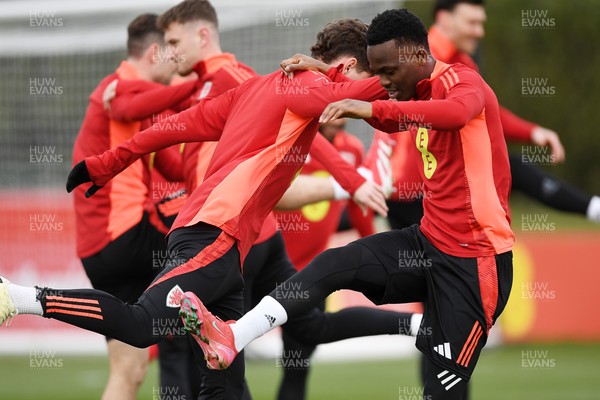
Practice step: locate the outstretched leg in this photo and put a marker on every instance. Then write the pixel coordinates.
(551, 191)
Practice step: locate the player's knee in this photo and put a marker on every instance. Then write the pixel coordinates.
(339, 257)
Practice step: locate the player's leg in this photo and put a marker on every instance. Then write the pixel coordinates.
(266, 266)
(128, 366)
(206, 261)
(465, 297)
(295, 361)
(302, 333)
(178, 371)
(125, 268)
(198, 257)
(369, 265)
(551, 191)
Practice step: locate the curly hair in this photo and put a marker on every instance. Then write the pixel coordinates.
(400, 25)
(345, 37)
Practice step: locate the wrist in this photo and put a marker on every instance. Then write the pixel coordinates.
(338, 191)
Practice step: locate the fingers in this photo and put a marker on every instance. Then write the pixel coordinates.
(109, 93)
(372, 196)
(377, 203)
(332, 112)
(379, 199)
(289, 65)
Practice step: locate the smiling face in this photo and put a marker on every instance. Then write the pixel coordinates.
(398, 72)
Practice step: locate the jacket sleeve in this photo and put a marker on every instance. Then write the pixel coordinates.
(203, 122)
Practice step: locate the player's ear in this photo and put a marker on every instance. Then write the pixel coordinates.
(204, 35)
(351, 63)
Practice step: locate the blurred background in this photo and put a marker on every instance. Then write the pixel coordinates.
(53, 53)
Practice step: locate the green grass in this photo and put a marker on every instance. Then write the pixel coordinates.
(574, 375)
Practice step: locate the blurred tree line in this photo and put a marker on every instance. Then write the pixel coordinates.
(564, 57)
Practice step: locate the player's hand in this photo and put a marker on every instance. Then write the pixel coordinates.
(301, 62)
(545, 137)
(347, 108)
(109, 93)
(370, 195)
(78, 175)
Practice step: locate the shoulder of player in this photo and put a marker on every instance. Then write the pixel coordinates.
(453, 74)
(309, 78)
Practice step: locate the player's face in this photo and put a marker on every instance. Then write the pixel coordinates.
(465, 26)
(163, 67)
(397, 73)
(185, 45)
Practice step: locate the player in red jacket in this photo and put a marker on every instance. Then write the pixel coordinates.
(454, 38)
(119, 232)
(458, 262)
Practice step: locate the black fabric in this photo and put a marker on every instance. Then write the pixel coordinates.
(403, 214)
(266, 267)
(219, 285)
(436, 381)
(547, 189)
(402, 266)
(128, 264)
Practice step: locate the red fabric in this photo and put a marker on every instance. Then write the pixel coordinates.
(264, 127)
(465, 166)
(137, 99)
(120, 205)
(307, 231)
(443, 49)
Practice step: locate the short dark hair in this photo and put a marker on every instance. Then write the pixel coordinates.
(449, 5)
(345, 37)
(141, 33)
(400, 25)
(186, 11)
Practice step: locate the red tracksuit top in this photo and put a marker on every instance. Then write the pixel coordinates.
(265, 128)
(464, 167)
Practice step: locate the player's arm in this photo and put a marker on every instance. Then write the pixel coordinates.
(464, 102)
(365, 192)
(342, 171)
(135, 100)
(318, 91)
(516, 128)
(308, 189)
(203, 122)
(301, 62)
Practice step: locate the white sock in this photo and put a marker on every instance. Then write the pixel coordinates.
(267, 315)
(24, 299)
(593, 211)
(415, 324)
